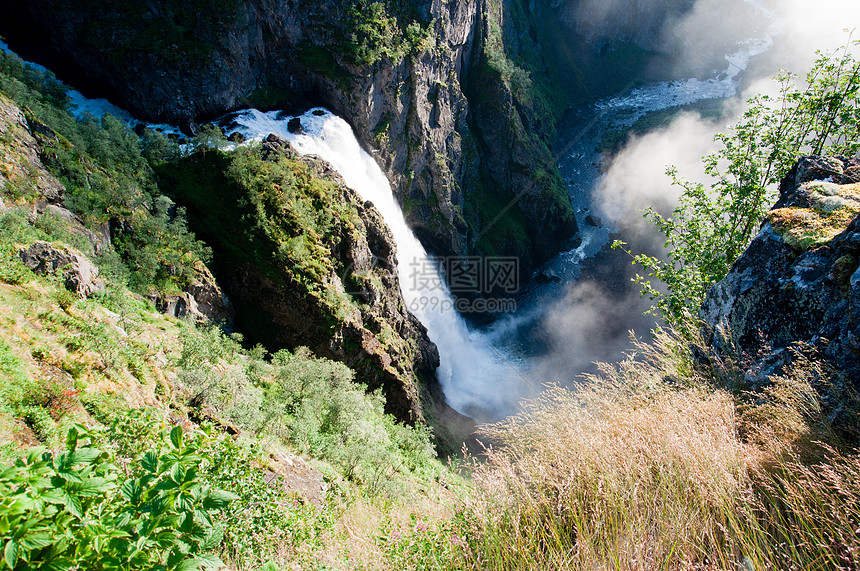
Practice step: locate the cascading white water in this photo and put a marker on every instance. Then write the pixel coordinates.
(476, 378)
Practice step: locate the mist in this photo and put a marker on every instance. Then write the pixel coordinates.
(593, 318)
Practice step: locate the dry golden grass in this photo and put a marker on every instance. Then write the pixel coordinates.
(651, 466)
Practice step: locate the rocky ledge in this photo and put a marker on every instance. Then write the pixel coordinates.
(795, 292)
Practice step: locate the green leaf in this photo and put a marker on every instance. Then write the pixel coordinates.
(60, 564)
(149, 462)
(176, 437)
(73, 504)
(203, 517)
(72, 439)
(131, 491)
(39, 540)
(186, 524)
(219, 498)
(93, 487)
(212, 539)
(11, 553)
(205, 561)
(210, 561)
(177, 474)
(189, 565)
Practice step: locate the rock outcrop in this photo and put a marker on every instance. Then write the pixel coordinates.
(299, 276)
(404, 95)
(202, 301)
(80, 276)
(22, 174)
(797, 286)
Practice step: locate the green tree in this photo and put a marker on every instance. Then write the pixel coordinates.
(713, 224)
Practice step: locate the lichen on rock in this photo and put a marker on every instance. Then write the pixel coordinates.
(797, 286)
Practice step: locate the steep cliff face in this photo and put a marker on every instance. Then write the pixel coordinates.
(307, 263)
(394, 71)
(796, 290)
(603, 23)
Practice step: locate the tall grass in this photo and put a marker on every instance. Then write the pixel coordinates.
(653, 465)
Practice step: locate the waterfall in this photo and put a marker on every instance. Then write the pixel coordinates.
(477, 379)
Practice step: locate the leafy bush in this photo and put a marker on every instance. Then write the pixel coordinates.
(79, 509)
(377, 29)
(12, 269)
(310, 403)
(325, 414)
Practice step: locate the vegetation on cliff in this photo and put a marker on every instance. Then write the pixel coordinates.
(716, 222)
(181, 443)
(514, 100)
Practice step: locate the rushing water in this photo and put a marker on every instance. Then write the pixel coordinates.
(477, 378)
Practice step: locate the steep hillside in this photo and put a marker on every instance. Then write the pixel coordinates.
(144, 415)
(306, 262)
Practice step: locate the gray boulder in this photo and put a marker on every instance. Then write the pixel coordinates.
(79, 274)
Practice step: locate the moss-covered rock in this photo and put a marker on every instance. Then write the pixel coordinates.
(795, 292)
(307, 263)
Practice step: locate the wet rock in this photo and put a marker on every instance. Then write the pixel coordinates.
(593, 220)
(236, 137)
(294, 125)
(543, 278)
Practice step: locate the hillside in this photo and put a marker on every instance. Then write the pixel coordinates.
(207, 361)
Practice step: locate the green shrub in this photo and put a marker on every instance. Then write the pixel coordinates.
(79, 509)
(12, 269)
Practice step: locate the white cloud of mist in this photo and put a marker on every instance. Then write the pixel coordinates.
(636, 177)
(589, 323)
